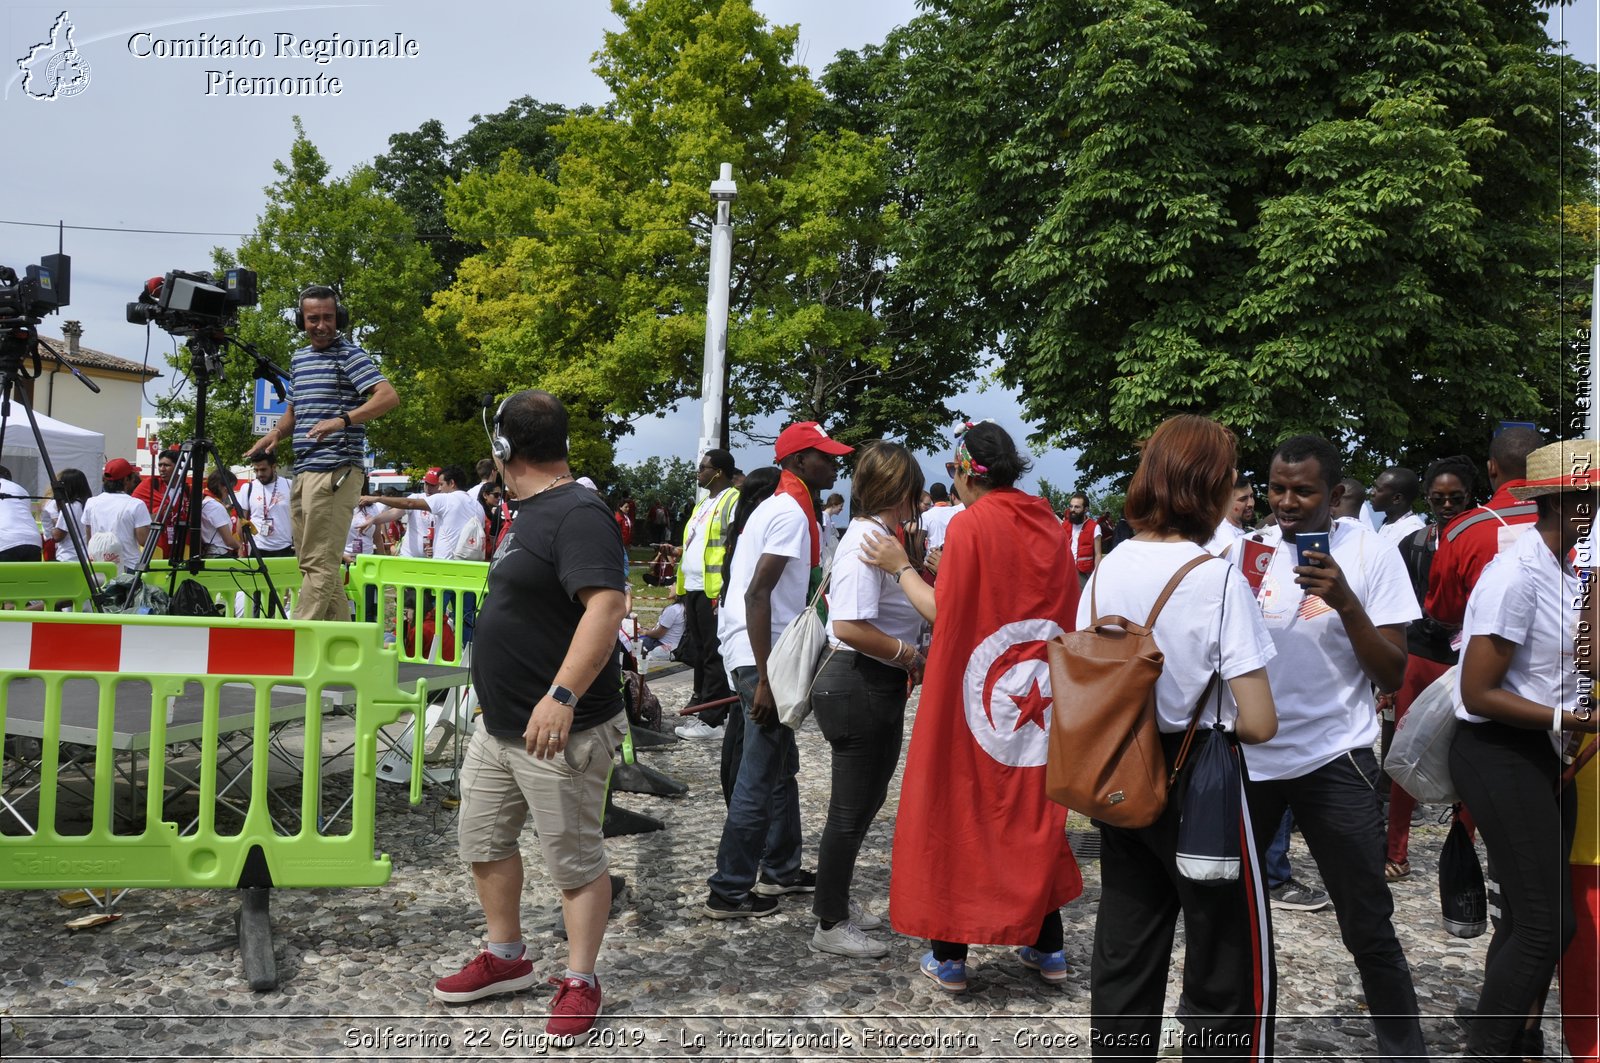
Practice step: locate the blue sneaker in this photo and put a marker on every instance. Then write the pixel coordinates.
(1052, 966)
(950, 974)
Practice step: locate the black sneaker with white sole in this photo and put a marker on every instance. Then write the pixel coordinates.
(803, 882)
(754, 906)
(1297, 896)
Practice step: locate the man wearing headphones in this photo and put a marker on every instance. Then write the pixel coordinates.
(326, 411)
(546, 672)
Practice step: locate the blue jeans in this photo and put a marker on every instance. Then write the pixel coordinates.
(1278, 869)
(762, 831)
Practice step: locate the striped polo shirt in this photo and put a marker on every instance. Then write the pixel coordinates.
(325, 384)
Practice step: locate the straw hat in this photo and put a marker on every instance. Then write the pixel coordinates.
(1570, 465)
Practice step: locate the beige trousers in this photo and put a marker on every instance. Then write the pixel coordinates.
(320, 513)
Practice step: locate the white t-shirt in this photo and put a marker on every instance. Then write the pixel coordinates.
(1074, 530)
(362, 540)
(779, 527)
(213, 518)
(672, 618)
(417, 523)
(858, 591)
(119, 514)
(1529, 599)
(693, 562)
(1324, 699)
(1224, 537)
(65, 551)
(17, 526)
(1394, 531)
(452, 512)
(267, 507)
(936, 521)
(1211, 610)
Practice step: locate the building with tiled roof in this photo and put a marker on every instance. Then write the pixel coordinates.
(114, 412)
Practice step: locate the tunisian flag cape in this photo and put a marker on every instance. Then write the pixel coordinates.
(980, 854)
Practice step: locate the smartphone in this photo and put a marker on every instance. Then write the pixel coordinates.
(1304, 541)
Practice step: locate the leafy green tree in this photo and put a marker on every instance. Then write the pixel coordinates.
(1330, 217)
(671, 480)
(342, 232)
(418, 165)
(592, 284)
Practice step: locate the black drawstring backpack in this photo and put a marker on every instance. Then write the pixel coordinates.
(1209, 843)
(1462, 896)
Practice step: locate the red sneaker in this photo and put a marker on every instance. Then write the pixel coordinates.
(486, 976)
(576, 1006)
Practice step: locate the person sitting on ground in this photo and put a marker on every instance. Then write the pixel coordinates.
(667, 635)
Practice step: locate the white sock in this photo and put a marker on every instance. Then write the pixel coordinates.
(588, 979)
(507, 950)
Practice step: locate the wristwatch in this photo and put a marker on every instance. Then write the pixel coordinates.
(347, 422)
(563, 695)
(902, 571)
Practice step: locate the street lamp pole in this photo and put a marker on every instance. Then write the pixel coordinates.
(713, 380)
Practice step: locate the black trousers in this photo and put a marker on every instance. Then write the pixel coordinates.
(710, 680)
(1229, 978)
(860, 705)
(1507, 777)
(1336, 806)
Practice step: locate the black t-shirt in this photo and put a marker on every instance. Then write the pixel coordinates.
(561, 541)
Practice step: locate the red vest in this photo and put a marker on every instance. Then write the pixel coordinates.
(1085, 551)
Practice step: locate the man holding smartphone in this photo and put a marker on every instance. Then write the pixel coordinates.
(1337, 617)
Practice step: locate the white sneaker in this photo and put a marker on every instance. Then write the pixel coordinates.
(846, 939)
(863, 919)
(697, 728)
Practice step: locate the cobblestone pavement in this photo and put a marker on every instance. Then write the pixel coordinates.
(356, 965)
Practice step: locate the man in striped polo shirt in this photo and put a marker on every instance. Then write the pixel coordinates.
(325, 415)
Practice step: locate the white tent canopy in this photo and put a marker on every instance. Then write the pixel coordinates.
(69, 446)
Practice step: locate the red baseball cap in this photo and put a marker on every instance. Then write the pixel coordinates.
(432, 476)
(119, 469)
(806, 435)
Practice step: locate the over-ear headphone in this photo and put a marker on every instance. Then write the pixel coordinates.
(341, 316)
(499, 445)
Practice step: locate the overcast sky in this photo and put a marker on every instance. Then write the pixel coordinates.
(154, 162)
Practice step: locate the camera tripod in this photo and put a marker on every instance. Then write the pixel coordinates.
(182, 506)
(19, 340)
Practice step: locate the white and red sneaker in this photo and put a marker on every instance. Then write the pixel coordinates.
(576, 1007)
(486, 976)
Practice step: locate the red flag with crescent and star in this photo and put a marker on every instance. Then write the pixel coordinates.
(980, 854)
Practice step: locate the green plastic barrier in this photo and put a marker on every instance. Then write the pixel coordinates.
(56, 583)
(427, 583)
(228, 577)
(172, 654)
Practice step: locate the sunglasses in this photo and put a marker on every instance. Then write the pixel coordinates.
(950, 469)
